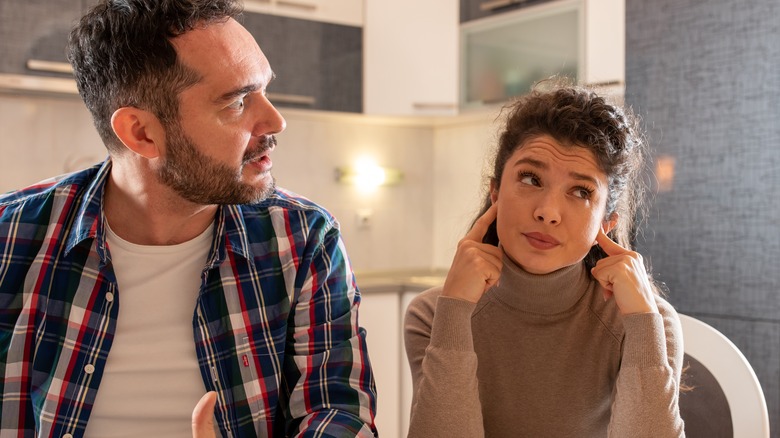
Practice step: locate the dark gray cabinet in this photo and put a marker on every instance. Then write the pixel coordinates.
(474, 9)
(317, 65)
(36, 30)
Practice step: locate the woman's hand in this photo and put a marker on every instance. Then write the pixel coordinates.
(622, 274)
(203, 416)
(476, 266)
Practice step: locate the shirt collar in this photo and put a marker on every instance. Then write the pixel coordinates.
(88, 223)
(230, 232)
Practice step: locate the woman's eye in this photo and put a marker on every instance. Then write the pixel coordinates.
(582, 192)
(530, 179)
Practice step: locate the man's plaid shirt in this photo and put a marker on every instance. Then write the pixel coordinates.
(275, 324)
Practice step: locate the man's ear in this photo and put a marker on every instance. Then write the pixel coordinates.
(139, 130)
(493, 191)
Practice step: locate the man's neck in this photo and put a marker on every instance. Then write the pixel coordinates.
(143, 211)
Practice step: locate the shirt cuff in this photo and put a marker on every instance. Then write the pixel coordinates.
(452, 324)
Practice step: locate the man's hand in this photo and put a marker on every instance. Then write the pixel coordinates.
(203, 416)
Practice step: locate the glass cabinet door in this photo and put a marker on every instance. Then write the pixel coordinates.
(503, 56)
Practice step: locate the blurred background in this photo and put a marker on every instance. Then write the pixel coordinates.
(393, 108)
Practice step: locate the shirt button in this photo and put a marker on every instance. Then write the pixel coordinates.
(109, 297)
(89, 369)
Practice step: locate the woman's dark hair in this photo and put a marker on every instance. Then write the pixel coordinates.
(577, 117)
(122, 56)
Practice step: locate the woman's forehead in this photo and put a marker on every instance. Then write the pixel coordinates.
(549, 149)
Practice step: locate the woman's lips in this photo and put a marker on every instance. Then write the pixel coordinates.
(541, 241)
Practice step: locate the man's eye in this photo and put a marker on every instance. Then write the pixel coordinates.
(238, 104)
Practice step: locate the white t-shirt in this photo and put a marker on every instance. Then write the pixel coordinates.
(152, 381)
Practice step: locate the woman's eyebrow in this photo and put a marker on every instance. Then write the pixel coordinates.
(532, 162)
(584, 177)
(544, 166)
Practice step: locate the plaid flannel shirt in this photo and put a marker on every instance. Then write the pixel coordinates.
(275, 323)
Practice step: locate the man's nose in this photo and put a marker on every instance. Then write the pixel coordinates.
(269, 120)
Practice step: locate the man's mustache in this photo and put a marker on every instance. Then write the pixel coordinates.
(265, 144)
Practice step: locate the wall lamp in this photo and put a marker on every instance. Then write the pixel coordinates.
(367, 175)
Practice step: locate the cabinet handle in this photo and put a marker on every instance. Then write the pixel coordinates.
(434, 106)
(614, 83)
(309, 6)
(292, 98)
(49, 66)
(496, 4)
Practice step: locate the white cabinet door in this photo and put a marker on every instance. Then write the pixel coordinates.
(605, 41)
(406, 372)
(411, 57)
(347, 12)
(380, 315)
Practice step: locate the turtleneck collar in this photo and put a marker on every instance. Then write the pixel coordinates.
(545, 294)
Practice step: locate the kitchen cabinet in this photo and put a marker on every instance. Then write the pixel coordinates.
(34, 33)
(605, 44)
(379, 314)
(411, 57)
(318, 65)
(475, 9)
(347, 12)
(502, 56)
(384, 299)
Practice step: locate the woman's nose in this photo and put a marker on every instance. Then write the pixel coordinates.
(547, 210)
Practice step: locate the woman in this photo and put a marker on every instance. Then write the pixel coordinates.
(548, 323)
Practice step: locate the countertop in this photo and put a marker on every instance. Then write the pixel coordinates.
(400, 281)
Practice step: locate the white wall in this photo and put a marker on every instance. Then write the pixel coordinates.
(399, 235)
(462, 148)
(414, 224)
(44, 137)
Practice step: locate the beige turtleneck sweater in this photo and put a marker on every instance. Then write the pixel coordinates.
(542, 356)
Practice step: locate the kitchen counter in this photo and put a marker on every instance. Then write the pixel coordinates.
(400, 281)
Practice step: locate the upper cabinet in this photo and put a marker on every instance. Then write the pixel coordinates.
(411, 57)
(346, 12)
(33, 40)
(315, 48)
(318, 65)
(503, 55)
(474, 9)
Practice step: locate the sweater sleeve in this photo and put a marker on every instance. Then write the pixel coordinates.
(439, 345)
(647, 390)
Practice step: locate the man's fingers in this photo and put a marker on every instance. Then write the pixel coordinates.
(203, 416)
(478, 231)
(609, 247)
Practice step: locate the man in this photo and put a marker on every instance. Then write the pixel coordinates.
(176, 268)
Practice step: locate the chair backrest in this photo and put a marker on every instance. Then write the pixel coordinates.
(727, 399)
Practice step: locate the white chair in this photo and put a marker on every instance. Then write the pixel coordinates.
(724, 383)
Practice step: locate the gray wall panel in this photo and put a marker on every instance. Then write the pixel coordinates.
(705, 77)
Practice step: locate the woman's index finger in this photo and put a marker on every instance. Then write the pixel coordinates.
(481, 225)
(608, 245)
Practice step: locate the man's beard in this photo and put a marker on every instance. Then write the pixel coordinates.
(202, 180)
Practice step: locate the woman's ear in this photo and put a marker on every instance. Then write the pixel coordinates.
(493, 191)
(610, 223)
(140, 131)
